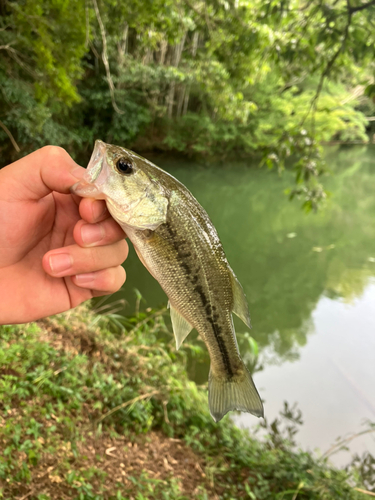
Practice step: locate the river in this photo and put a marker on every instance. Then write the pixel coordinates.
(310, 284)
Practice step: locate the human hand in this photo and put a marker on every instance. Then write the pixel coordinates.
(56, 250)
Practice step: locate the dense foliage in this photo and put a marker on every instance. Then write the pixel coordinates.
(205, 78)
(87, 413)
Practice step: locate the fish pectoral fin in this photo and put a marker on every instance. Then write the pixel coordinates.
(181, 328)
(240, 306)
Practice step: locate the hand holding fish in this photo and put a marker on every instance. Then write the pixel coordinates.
(56, 250)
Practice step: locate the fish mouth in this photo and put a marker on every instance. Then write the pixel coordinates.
(87, 190)
(90, 186)
(94, 183)
(97, 161)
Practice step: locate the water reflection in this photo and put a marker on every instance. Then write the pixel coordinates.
(333, 381)
(286, 260)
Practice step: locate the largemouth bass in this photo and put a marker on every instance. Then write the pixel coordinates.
(178, 244)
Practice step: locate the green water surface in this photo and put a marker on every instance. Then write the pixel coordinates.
(291, 265)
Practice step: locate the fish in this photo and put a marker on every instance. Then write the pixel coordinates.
(179, 245)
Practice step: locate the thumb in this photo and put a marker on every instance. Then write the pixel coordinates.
(38, 174)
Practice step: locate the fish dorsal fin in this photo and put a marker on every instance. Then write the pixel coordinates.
(181, 328)
(240, 306)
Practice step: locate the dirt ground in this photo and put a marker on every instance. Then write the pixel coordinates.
(156, 455)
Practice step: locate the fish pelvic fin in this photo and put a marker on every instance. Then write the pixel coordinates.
(181, 328)
(235, 393)
(240, 306)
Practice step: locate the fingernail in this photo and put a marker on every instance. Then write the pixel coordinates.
(78, 172)
(92, 233)
(98, 210)
(60, 262)
(85, 279)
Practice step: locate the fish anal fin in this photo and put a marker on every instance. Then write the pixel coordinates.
(236, 393)
(240, 306)
(181, 327)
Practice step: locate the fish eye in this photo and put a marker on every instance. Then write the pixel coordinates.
(124, 166)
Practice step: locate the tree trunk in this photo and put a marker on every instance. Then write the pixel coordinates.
(194, 48)
(176, 61)
(123, 45)
(181, 101)
(163, 52)
(186, 100)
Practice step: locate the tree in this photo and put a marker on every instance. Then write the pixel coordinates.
(214, 77)
(42, 43)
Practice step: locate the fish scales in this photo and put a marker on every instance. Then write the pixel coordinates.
(196, 281)
(176, 241)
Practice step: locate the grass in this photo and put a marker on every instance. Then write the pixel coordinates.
(96, 407)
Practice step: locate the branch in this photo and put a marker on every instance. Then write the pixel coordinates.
(87, 41)
(336, 447)
(365, 492)
(330, 64)
(105, 59)
(9, 134)
(202, 16)
(352, 10)
(127, 403)
(14, 54)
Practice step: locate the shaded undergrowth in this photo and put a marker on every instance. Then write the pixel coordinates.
(96, 407)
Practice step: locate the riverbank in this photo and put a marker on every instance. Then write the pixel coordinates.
(100, 407)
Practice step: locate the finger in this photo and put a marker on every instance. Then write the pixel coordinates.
(93, 210)
(102, 233)
(102, 282)
(73, 259)
(46, 170)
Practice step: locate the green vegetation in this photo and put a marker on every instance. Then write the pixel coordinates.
(100, 407)
(240, 77)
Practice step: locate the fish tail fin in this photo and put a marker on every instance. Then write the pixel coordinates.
(235, 393)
